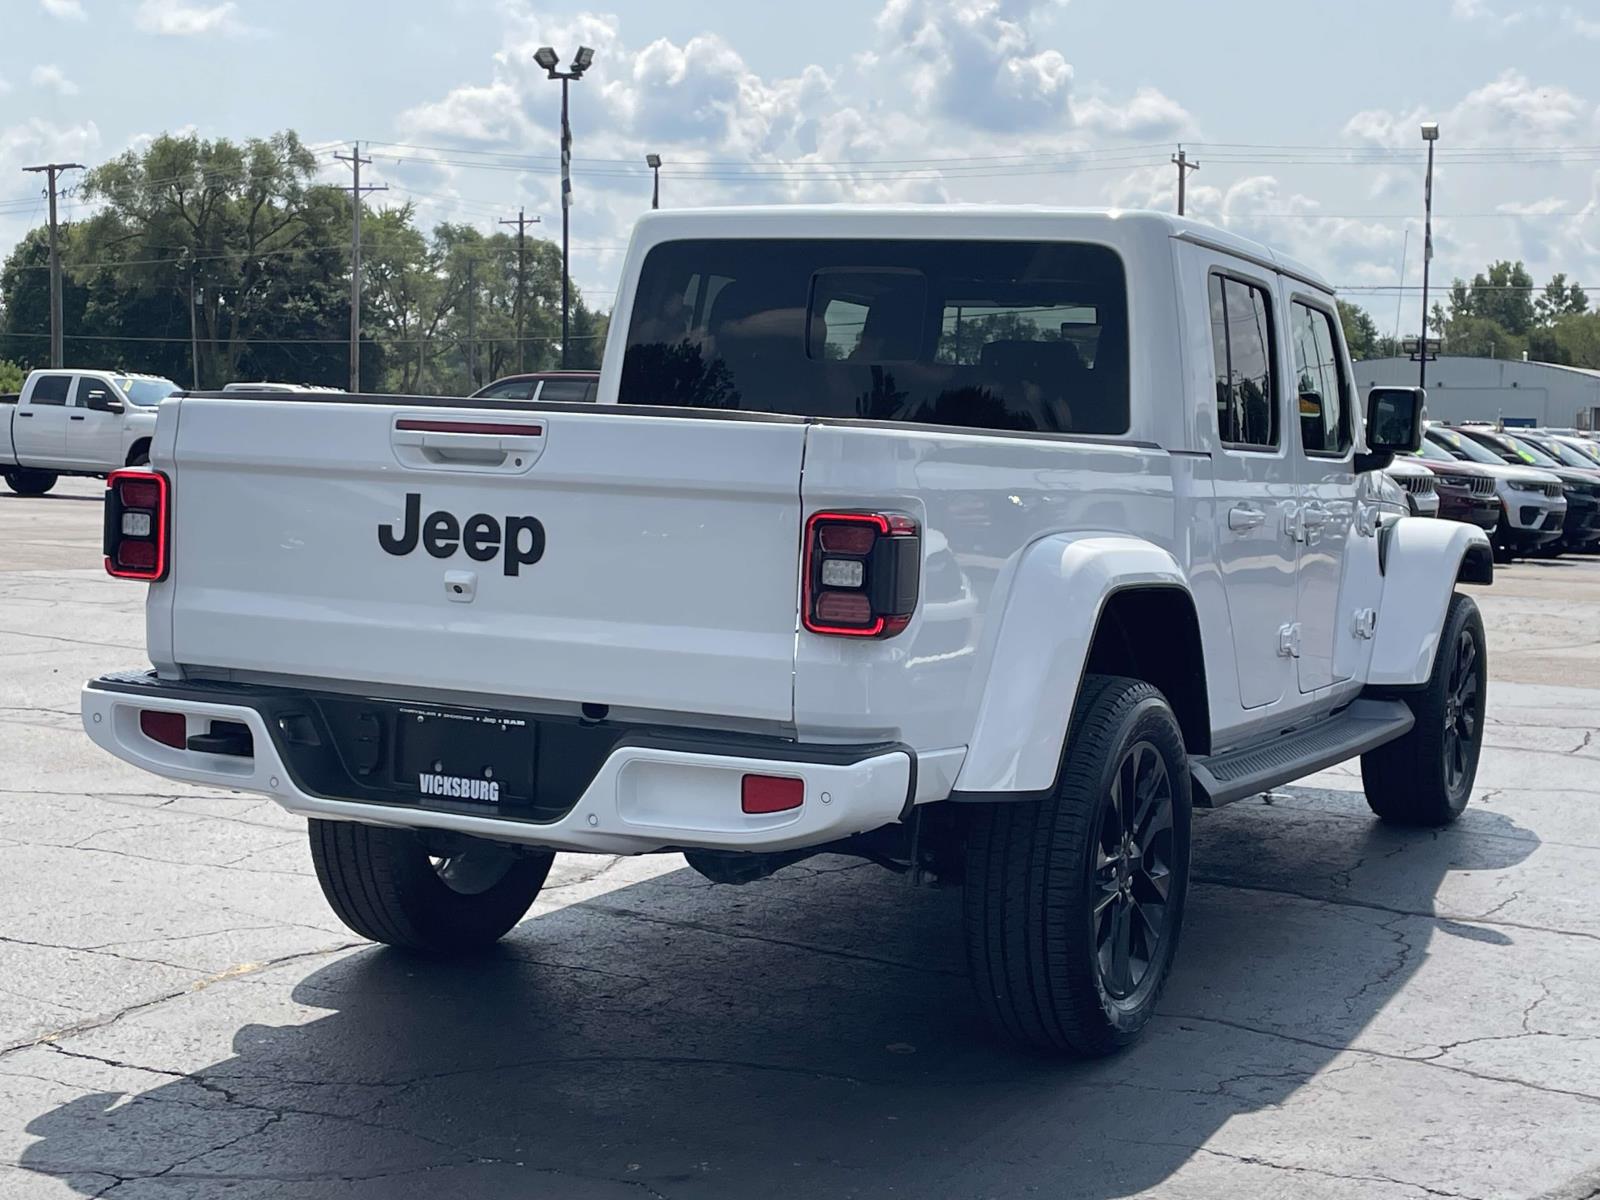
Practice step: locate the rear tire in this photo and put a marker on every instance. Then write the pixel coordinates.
(386, 885)
(1426, 777)
(1071, 918)
(30, 483)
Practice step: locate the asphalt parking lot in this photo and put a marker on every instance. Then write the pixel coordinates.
(1356, 1011)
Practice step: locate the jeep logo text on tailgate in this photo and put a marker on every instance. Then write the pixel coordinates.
(480, 536)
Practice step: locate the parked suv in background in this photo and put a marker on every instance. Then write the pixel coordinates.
(1580, 527)
(1466, 491)
(1419, 484)
(1586, 446)
(1533, 503)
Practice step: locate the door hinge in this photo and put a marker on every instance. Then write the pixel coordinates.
(1289, 641)
(1365, 622)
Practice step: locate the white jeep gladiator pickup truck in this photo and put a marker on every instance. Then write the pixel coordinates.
(981, 543)
(77, 423)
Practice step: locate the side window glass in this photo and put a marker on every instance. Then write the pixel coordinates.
(52, 389)
(89, 392)
(1241, 343)
(1323, 390)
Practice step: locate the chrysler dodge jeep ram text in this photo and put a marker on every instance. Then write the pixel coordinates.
(981, 543)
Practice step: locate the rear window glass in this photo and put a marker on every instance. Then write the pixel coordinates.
(1024, 336)
(51, 389)
(570, 390)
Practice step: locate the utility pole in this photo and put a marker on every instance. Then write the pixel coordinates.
(356, 192)
(1182, 161)
(194, 336)
(472, 323)
(522, 222)
(57, 338)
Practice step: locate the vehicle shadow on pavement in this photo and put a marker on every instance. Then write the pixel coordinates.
(810, 1036)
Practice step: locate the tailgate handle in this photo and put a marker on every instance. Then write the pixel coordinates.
(486, 445)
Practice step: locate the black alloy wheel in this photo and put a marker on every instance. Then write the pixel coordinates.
(1462, 720)
(1133, 870)
(1425, 778)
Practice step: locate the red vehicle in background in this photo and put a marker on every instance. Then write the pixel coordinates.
(1466, 491)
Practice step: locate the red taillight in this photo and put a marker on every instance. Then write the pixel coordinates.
(771, 793)
(854, 538)
(138, 504)
(861, 573)
(168, 728)
(843, 608)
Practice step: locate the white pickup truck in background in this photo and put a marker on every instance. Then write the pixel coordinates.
(981, 543)
(77, 423)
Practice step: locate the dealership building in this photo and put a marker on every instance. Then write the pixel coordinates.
(1495, 389)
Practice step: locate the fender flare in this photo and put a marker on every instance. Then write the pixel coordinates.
(1053, 607)
(1422, 560)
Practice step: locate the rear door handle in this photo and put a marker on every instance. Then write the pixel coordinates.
(25, 416)
(74, 418)
(1243, 516)
(1313, 515)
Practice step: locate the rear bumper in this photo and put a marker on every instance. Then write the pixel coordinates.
(649, 790)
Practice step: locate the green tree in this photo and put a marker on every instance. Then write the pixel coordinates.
(1360, 331)
(264, 252)
(1560, 299)
(1503, 294)
(1571, 339)
(243, 224)
(11, 376)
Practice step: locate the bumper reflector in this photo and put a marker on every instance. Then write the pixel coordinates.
(168, 728)
(771, 793)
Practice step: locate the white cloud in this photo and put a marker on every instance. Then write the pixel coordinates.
(1577, 23)
(1509, 110)
(29, 143)
(64, 10)
(5, 85)
(48, 75)
(1479, 12)
(967, 100)
(179, 18)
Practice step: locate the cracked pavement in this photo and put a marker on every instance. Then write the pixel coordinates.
(1356, 1011)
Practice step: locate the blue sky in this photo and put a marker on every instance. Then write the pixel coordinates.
(1052, 101)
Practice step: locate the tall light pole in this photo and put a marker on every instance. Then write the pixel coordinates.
(653, 161)
(1430, 134)
(547, 58)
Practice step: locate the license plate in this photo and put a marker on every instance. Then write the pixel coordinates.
(464, 756)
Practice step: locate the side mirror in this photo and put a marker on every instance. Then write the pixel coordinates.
(1394, 425)
(104, 402)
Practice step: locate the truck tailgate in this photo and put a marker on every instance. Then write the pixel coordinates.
(598, 557)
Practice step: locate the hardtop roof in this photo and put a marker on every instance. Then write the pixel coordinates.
(891, 220)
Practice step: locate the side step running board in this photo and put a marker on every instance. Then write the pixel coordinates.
(1365, 725)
